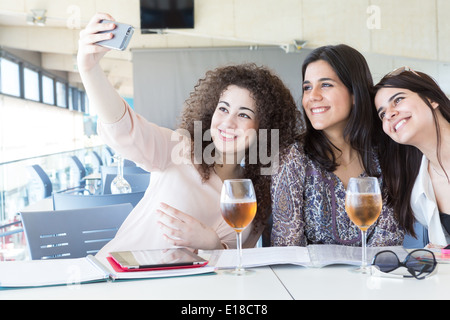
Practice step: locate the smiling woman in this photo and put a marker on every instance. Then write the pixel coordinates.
(340, 143)
(181, 207)
(326, 100)
(234, 122)
(396, 110)
(415, 114)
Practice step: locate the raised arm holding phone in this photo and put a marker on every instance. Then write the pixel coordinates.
(181, 205)
(108, 104)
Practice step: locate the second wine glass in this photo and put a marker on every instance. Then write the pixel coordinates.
(363, 204)
(119, 184)
(238, 207)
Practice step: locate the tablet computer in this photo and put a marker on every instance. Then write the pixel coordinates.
(160, 259)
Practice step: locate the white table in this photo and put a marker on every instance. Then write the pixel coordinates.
(262, 285)
(339, 282)
(284, 282)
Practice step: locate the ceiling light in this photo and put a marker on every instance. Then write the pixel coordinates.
(296, 46)
(299, 44)
(37, 17)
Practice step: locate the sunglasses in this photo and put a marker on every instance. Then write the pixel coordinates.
(400, 70)
(419, 263)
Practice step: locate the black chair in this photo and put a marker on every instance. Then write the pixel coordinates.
(78, 168)
(39, 186)
(72, 233)
(97, 158)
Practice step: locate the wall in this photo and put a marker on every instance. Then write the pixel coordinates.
(164, 78)
(414, 29)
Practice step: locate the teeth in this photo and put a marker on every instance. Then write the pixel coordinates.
(227, 136)
(318, 110)
(399, 124)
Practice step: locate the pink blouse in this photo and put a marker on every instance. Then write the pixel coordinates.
(174, 180)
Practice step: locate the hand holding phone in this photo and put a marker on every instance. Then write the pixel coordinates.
(122, 34)
(95, 32)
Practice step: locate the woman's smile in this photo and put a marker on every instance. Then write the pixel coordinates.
(319, 110)
(234, 121)
(227, 135)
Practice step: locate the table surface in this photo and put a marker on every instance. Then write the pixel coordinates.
(262, 284)
(341, 282)
(282, 282)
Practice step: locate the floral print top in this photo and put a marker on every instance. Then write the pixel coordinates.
(309, 208)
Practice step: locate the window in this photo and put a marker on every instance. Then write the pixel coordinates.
(75, 99)
(70, 98)
(81, 100)
(22, 79)
(10, 79)
(48, 92)
(31, 83)
(86, 103)
(61, 100)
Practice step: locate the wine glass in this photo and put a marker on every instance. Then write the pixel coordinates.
(119, 184)
(238, 207)
(363, 206)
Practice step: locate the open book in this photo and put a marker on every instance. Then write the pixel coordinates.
(36, 273)
(83, 270)
(310, 256)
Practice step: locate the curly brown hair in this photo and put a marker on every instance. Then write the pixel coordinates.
(275, 108)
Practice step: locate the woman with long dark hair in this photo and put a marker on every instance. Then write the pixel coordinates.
(415, 114)
(340, 142)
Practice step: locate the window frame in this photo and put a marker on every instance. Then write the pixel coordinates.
(72, 100)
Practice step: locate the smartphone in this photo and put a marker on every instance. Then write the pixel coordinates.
(122, 34)
(158, 259)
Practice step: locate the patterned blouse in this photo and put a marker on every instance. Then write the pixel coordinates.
(309, 208)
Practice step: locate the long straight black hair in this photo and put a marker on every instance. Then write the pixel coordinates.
(401, 163)
(352, 69)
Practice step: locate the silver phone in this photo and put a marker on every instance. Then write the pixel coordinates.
(122, 34)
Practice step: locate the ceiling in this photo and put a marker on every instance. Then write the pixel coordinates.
(371, 26)
(57, 41)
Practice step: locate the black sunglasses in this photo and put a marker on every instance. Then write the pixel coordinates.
(420, 264)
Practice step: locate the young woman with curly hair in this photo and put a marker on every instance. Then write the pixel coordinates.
(232, 110)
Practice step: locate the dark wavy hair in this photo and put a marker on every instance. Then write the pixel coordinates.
(401, 163)
(275, 108)
(352, 69)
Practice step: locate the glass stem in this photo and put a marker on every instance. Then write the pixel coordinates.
(120, 167)
(239, 251)
(364, 249)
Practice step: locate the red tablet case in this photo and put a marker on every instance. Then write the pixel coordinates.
(118, 268)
